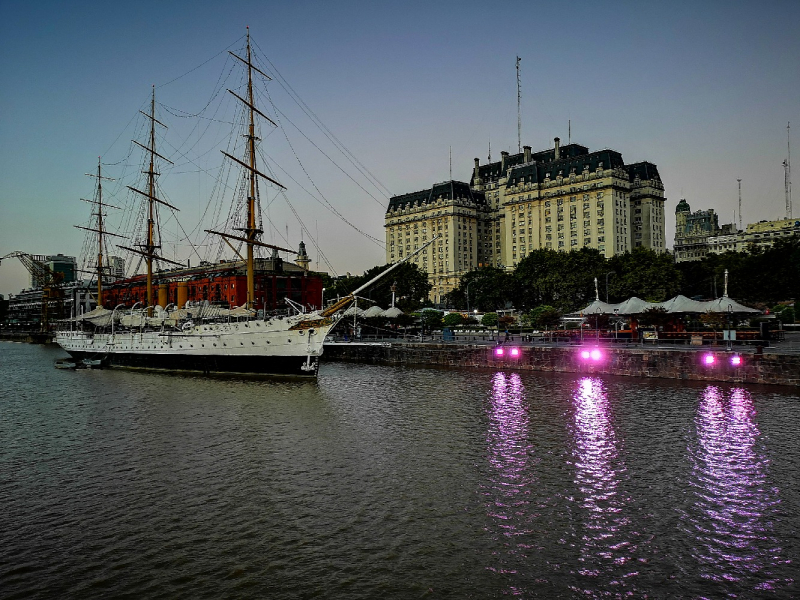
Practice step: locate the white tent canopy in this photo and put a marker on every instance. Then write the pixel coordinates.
(676, 305)
(392, 313)
(373, 311)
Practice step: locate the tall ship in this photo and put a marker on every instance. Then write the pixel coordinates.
(165, 328)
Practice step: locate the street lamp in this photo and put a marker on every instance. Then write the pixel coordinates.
(468, 295)
(607, 274)
(597, 323)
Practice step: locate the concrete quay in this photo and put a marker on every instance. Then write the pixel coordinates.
(773, 366)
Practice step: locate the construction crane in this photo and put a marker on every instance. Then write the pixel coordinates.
(51, 281)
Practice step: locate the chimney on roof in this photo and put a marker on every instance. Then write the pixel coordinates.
(527, 151)
(558, 148)
(503, 157)
(477, 182)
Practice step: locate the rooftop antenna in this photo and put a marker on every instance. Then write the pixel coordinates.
(519, 114)
(787, 174)
(451, 163)
(569, 131)
(490, 149)
(740, 204)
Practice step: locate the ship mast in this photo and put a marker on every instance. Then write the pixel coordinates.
(148, 249)
(98, 201)
(251, 231)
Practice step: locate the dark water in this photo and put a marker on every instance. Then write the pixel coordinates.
(381, 482)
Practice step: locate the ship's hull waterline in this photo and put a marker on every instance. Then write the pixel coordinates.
(288, 347)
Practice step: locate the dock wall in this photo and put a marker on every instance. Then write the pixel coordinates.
(775, 369)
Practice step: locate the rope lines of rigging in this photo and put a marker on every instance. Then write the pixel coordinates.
(325, 130)
(132, 221)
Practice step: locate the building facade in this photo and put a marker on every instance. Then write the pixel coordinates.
(562, 199)
(698, 234)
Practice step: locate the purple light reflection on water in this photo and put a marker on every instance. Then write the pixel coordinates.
(608, 544)
(734, 510)
(509, 454)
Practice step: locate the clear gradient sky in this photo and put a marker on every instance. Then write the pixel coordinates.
(702, 89)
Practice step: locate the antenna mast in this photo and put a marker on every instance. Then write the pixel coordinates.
(787, 174)
(740, 203)
(519, 113)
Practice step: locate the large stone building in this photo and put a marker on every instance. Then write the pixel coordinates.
(563, 199)
(698, 234)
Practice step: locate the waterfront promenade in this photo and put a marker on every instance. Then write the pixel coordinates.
(776, 364)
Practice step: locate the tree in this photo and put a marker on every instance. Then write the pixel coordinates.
(644, 273)
(453, 319)
(431, 319)
(490, 320)
(545, 317)
(490, 288)
(564, 280)
(411, 286)
(655, 316)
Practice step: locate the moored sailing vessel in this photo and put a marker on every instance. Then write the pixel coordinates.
(196, 336)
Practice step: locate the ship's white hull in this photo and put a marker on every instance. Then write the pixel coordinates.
(279, 346)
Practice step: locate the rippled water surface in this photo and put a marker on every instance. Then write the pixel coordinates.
(388, 482)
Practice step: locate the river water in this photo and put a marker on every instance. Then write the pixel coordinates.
(382, 482)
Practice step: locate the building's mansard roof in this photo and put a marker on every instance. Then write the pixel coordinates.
(448, 190)
(645, 171)
(537, 172)
(492, 171)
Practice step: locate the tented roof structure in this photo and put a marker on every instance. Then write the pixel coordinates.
(373, 311)
(392, 313)
(677, 305)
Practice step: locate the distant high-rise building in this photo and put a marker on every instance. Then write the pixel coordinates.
(58, 263)
(116, 266)
(562, 199)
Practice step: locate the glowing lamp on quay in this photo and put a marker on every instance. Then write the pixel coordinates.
(709, 360)
(593, 355)
(512, 352)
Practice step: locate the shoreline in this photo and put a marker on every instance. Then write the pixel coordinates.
(765, 368)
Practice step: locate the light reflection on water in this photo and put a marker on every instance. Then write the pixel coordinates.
(510, 459)
(734, 512)
(609, 545)
(382, 482)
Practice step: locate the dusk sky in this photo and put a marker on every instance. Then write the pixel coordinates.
(702, 89)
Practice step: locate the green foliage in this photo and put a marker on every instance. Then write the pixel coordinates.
(490, 320)
(714, 320)
(489, 288)
(453, 319)
(412, 286)
(563, 280)
(431, 318)
(544, 317)
(766, 275)
(655, 316)
(784, 313)
(643, 273)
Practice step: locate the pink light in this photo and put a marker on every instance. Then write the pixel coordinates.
(515, 352)
(596, 355)
(736, 360)
(498, 351)
(708, 359)
(585, 354)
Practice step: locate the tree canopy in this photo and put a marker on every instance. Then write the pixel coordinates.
(411, 291)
